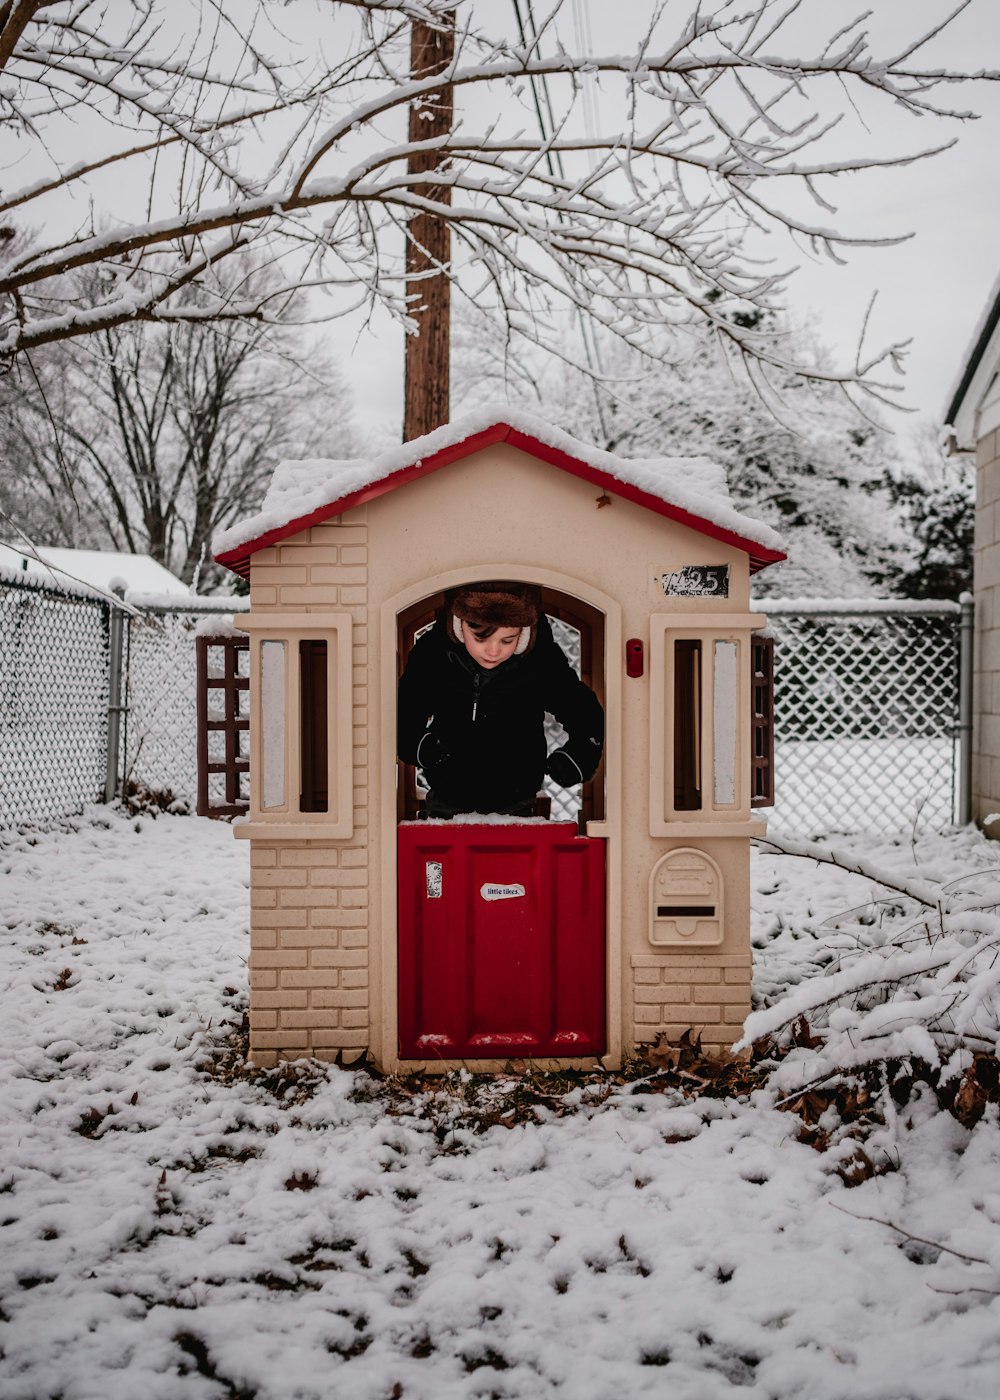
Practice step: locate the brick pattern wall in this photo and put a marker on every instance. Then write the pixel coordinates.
(986, 756)
(326, 566)
(675, 992)
(309, 944)
(309, 950)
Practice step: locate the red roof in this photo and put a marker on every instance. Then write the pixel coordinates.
(238, 557)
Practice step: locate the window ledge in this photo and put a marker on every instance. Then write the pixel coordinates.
(294, 831)
(749, 827)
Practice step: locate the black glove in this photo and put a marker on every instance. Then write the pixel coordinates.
(432, 752)
(563, 769)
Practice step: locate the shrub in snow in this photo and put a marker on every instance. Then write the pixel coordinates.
(903, 990)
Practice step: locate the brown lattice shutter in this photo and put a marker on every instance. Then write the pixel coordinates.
(223, 692)
(762, 722)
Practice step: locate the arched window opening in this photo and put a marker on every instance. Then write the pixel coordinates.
(578, 628)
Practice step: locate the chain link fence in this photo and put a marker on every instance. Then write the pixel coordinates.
(867, 715)
(54, 676)
(160, 724)
(160, 731)
(867, 718)
(93, 695)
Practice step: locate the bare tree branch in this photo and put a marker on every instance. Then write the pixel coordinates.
(216, 132)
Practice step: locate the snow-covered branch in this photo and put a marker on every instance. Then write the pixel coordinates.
(923, 986)
(284, 129)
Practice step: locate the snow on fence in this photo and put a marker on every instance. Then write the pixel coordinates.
(868, 714)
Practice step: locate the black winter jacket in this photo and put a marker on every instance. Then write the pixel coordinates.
(479, 735)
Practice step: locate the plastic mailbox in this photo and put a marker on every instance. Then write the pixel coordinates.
(501, 941)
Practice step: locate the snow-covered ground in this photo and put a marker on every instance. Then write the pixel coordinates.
(175, 1229)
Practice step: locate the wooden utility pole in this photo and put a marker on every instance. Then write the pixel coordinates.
(428, 353)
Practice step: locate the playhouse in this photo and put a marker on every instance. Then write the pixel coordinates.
(477, 941)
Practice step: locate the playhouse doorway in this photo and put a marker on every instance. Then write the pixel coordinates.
(579, 629)
(502, 928)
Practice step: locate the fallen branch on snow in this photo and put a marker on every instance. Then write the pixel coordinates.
(920, 890)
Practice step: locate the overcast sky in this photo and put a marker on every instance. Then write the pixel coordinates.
(932, 288)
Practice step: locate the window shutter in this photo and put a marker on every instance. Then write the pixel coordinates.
(313, 726)
(301, 669)
(223, 682)
(762, 722)
(687, 726)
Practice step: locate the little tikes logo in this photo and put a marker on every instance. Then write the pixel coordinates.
(489, 891)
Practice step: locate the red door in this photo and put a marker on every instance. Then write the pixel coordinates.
(501, 941)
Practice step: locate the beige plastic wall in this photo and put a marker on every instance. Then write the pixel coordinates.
(986, 756)
(323, 960)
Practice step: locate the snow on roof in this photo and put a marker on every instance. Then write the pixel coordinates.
(978, 340)
(976, 349)
(303, 492)
(97, 568)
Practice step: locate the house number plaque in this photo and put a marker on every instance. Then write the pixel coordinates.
(696, 581)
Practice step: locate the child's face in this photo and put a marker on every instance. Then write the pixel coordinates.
(493, 650)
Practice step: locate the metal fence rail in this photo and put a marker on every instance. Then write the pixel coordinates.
(869, 716)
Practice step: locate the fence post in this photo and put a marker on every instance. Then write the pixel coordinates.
(966, 681)
(116, 650)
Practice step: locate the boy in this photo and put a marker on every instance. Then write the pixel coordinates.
(473, 698)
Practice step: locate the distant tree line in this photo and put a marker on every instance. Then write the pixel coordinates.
(151, 438)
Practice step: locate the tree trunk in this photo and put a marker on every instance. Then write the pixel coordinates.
(427, 368)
